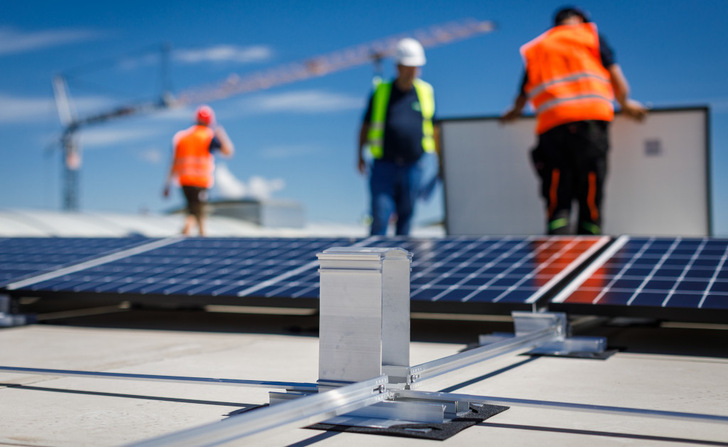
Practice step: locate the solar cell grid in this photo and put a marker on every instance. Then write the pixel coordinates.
(489, 270)
(512, 270)
(661, 273)
(24, 257)
(195, 267)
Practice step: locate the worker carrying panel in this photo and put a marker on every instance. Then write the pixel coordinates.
(566, 79)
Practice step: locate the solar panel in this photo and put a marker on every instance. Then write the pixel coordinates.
(489, 272)
(505, 272)
(511, 271)
(203, 267)
(28, 256)
(655, 277)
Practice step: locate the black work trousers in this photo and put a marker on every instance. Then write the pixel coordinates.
(571, 160)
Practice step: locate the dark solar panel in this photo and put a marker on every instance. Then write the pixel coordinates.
(659, 277)
(197, 267)
(492, 270)
(656, 277)
(29, 256)
(510, 271)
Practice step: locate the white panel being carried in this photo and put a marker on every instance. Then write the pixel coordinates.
(657, 183)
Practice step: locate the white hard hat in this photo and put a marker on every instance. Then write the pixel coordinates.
(410, 53)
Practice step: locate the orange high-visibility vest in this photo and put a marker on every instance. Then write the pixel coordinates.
(193, 162)
(566, 79)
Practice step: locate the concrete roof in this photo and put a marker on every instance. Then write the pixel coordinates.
(679, 369)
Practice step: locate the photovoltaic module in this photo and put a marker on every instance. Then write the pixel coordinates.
(513, 272)
(29, 256)
(654, 277)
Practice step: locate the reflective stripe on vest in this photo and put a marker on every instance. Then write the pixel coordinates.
(566, 79)
(380, 101)
(193, 162)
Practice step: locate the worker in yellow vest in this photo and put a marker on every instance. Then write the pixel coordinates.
(571, 79)
(398, 127)
(193, 164)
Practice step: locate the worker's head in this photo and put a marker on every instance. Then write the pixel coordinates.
(406, 75)
(570, 15)
(409, 53)
(205, 115)
(410, 56)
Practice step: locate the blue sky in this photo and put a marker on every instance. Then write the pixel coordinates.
(298, 140)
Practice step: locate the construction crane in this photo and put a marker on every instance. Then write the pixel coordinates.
(372, 52)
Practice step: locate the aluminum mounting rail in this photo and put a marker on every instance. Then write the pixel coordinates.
(540, 329)
(291, 386)
(406, 395)
(293, 414)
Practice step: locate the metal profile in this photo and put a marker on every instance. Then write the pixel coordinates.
(364, 313)
(407, 395)
(292, 386)
(547, 328)
(298, 412)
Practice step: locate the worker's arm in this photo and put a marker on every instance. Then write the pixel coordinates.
(516, 110)
(631, 108)
(363, 133)
(170, 178)
(226, 146)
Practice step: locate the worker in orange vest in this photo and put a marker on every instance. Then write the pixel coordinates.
(571, 78)
(193, 164)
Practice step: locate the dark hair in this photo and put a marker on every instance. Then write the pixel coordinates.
(567, 12)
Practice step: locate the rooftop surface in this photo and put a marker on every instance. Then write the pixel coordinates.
(44, 223)
(118, 372)
(670, 368)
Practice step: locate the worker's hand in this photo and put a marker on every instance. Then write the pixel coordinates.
(362, 166)
(634, 110)
(510, 116)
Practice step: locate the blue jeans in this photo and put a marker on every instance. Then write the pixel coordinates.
(394, 188)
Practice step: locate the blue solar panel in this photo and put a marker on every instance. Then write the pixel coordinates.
(490, 270)
(640, 276)
(29, 256)
(510, 271)
(196, 267)
(465, 269)
(653, 276)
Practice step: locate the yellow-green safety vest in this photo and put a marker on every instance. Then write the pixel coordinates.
(380, 101)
